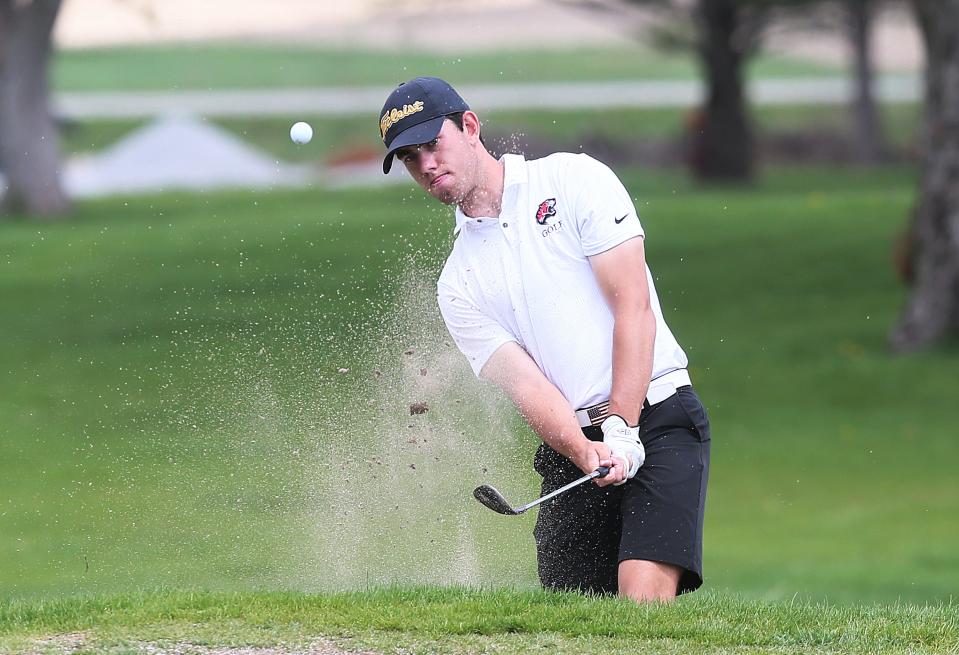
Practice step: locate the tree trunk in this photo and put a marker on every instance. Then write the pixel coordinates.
(29, 144)
(932, 309)
(868, 132)
(723, 143)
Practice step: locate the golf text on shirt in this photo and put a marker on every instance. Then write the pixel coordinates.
(525, 276)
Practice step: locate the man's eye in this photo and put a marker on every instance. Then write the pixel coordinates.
(432, 144)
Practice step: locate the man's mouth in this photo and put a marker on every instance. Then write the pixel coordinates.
(438, 178)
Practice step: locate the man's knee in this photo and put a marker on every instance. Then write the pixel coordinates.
(646, 581)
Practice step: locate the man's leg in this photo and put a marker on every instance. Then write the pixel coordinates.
(644, 581)
(577, 533)
(662, 508)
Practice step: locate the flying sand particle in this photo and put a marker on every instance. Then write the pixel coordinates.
(419, 408)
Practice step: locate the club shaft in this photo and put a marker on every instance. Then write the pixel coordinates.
(585, 478)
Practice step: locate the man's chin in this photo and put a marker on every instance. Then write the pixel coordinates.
(446, 197)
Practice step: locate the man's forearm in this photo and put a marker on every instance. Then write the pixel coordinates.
(549, 414)
(634, 336)
(545, 409)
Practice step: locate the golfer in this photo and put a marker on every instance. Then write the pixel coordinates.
(547, 294)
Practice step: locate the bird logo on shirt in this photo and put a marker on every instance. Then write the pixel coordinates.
(546, 209)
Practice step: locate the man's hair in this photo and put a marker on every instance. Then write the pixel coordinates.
(457, 120)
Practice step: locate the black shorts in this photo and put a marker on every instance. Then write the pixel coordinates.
(582, 535)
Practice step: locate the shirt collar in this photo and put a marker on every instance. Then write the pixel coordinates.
(514, 173)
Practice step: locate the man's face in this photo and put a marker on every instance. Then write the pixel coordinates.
(445, 167)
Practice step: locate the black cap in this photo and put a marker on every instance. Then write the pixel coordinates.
(414, 114)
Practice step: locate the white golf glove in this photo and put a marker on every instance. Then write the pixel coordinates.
(623, 441)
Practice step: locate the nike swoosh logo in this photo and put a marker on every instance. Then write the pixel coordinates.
(620, 219)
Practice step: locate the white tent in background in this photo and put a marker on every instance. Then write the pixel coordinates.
(179, 152)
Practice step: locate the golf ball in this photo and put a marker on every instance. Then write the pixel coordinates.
(301, 132)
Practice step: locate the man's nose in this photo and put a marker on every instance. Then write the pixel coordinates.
(427, 162)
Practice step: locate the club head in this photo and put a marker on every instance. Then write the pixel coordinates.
(493, 499)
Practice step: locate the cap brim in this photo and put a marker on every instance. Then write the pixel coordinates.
(413, 136)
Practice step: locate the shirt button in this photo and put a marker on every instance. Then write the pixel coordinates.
(505, 224)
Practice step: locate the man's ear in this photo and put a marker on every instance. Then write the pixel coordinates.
(471, 126)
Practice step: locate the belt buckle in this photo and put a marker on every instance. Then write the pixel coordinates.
(598, 413)
(593, 415)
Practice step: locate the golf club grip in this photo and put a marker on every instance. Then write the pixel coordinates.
(602, 471)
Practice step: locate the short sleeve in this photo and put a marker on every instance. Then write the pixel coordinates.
(476, 335)
(605, 215)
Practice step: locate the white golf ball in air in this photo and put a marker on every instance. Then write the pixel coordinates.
(301, 132)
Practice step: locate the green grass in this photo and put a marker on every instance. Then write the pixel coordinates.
(219, 66)
(173, 414)
(625, 128)
(461, 620)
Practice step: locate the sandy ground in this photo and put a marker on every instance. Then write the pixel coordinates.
(377, 24)
(391, 25)
(78, 642)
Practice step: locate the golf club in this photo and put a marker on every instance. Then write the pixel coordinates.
(493, 499)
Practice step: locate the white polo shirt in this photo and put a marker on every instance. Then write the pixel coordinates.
(524, 276)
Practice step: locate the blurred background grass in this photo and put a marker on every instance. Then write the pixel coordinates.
(333, 135)
(212, 390)
(173, 372)
(236, 66)
(239, 66)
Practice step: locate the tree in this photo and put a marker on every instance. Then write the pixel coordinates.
(727, 33)
(723, 34)
(29, 143)
(868, 141)
(932, 307)
(723, 145)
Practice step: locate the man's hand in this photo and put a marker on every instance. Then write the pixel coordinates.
(624, 444)
(593, 454)
(548, 413)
